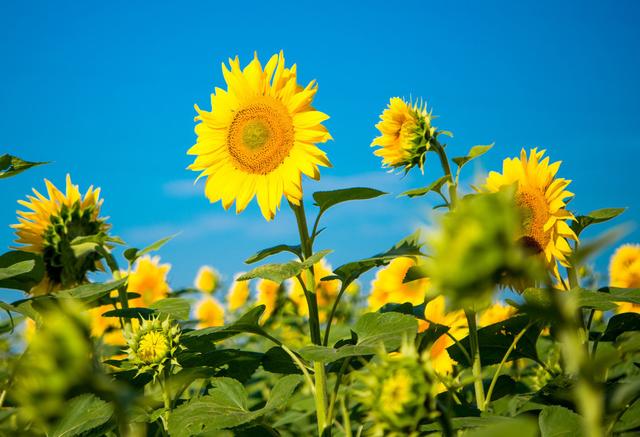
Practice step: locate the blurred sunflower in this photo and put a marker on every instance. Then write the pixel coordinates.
(495, 313)
(268, 296)
(405, 130)
(435, 312)
(624, 272)
(388, 285)
(259, 137)
(51, 225)
(106, 327)
(326, 291)
(541, 198)
(238, 294)
(209, 312)
(149, 280)
(207, 279)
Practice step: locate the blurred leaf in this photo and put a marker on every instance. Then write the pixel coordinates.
(83, 413)
(459, 423)
(175, 307)
(557, 421)
(91, 292)
(496, 339)
(264, 253)
(597, 216)
(279, 272)
(602, 300)
(12, 165)
(27, 278)
(130, 313)
(620, 323)
(414, 273)
(226, 406)
(374, 330)
(326, 199)
(474, 152)
(409, 246)
(247, 323)
(521, 427)
(630, 419)
(434, 186)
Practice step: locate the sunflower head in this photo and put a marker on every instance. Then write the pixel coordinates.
(389, 286)
(207, 280)
(238, 294)
(541, 198)
(209, 312)
(148, 279)
(153, 344)
(50, 227)
(624, 272)
(259, 137)
(268, 293)
(405, 134)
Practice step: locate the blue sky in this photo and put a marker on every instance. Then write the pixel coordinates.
(106, 90)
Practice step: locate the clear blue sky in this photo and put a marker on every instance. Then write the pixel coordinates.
(106, 91)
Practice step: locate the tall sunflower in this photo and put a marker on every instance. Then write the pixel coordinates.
(541, 197)
(51, 225)
(406, 131)
(259, 137)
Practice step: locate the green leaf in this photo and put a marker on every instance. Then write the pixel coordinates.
(91, 292)
(82, 413)
(604, 299)
(226, 407)
(280, 272)
(326, 199)
(264, 253)
(434, 186)
(475, 152)
(459, 423)
(276, 360)
(247, 323)
(12, 165)
(130, 313)
(175, 307)
(373, 330)
(597, 216)
(620, 323)
(409, 246)
(630, 419)
(558, 421)
(132, 254)
(15, 272)
(232, 363)
(521, 427)
(496, 339)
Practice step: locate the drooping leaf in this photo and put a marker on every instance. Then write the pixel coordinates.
(435, 186)
(91, 292)
(175, 307)
(326, 199)
(12, 165)
(556, 421)
(597, 216)
(226, 406)
(474, 152)
(20, 270)
(496, 339)
(264, 253)
(374, 331)
(82, 413)
(620, 323)
(280, 272)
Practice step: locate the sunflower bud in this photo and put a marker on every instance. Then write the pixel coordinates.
(153, 345)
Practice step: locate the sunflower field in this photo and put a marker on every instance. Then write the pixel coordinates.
(492, 322)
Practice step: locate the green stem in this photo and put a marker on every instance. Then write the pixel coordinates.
(314, 320)
(332, 314)
(475, 355)
(453, 189)
(346, 421)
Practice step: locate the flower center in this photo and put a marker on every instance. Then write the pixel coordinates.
(261, 136)
(535, 213)
(153, 347)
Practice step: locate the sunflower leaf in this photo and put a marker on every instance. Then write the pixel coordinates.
(594, 217)
(20, 270)
(474, 152)
(12, 165)
(91, 292)
(280, 272)
(435, 186)
(132, 254)
(326, 199)
(82, 413)
(264, 253)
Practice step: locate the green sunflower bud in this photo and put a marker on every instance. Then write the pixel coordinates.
(153, 345)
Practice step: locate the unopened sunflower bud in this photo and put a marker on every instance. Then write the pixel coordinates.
(153, 345)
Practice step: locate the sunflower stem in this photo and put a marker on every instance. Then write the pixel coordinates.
(475, 354)
(314, 321)
(444, 161)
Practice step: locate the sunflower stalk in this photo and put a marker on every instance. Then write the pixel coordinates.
(314, 320)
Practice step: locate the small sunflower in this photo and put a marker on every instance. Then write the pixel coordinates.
(326, 291)
(259, 137)
(149, 280)
(624, 272)
(153, 344)
(207, 280)
(541, 197)
(238, 294)
(209, 312)
(50, 227)
(388, 285)
(268, 292)
(406, 132)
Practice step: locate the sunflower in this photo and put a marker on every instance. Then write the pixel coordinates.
(268, 296)
(149, 280)
(388, 285)
(238, 293)
(107, 328)
(207, 279)
(496, 313)
(406, 131)
(541, 198)
(51, 225)
(209, 312)
(326, 291)
(624, 272)
(259, 137)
